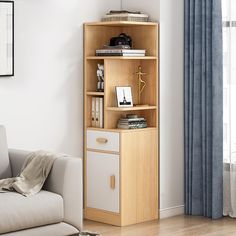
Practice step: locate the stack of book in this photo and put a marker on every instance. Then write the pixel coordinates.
(97, 112)
(121, 52)
(125, 16)
(132, 123)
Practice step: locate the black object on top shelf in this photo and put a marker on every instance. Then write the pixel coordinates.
(122, 39)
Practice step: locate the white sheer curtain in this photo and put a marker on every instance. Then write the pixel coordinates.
(229, 34)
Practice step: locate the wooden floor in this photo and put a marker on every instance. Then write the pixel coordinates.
(176, 226)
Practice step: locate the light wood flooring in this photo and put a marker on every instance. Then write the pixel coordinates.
(176, 226)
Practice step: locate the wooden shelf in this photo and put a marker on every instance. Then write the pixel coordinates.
(120, 130)
(135, 108)
(121, 23)
(120, 58)
(95, 93)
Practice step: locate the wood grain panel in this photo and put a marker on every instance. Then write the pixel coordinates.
(144, 37)
(177, 226)
(102, 216)
(139, 161)
(97, 36)
(138, 148)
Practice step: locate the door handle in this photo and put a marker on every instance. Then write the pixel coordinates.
(102, 140)
(112, 181)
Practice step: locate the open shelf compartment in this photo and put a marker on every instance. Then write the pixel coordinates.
(123, 73)
(143, 36)
(112, 118)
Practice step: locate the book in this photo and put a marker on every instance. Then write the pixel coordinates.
(111, 12)
(125, 17)
(100, 112)
(129, 51)
(93, 112)
(121, 54)
(135, 126)
(116, 47)
(97, 110)
(132, 123)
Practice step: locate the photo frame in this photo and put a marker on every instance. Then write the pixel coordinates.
(124, 96)
(6, 38)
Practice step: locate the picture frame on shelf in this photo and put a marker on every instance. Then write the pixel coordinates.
(124, 96)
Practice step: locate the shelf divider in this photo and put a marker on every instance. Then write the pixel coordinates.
(91, 93)
(135, 108)
(120, 58)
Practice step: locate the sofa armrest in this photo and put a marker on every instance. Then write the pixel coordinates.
(65, 179)
(17, 158)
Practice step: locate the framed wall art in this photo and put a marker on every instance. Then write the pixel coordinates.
(6, 38)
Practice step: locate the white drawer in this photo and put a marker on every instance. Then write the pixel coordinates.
(105, 141)
(103, 181)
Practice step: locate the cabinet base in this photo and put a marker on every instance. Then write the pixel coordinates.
(103, 216)
(110, 218)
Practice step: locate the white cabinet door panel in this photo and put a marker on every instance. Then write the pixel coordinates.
(100, 194)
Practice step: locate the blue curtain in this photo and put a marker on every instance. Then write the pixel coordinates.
(203, 103)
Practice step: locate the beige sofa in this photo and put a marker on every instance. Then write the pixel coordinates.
(54, 211)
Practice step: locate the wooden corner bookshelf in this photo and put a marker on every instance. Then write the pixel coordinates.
(121, 166)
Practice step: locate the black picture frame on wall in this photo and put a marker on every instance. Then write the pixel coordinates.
(7, 56)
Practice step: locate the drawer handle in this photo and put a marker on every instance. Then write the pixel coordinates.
(102, 140)
(112, 181)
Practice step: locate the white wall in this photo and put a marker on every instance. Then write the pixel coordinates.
(170, 15)
(42, 106)
(172, 141)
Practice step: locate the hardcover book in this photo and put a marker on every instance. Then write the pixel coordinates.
(93, 112)
(100, 112)
(97, 112)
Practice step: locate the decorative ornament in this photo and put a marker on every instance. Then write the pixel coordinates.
(141, 83)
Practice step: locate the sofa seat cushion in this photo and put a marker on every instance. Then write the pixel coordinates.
(18, 212)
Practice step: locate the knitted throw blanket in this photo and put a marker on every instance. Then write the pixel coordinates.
(33, 174)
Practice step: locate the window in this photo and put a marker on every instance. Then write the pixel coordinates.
(229, 63)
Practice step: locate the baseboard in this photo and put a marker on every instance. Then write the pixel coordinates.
(171, 211)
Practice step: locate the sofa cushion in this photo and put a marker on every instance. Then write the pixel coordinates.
(5, 168)
(18, 212)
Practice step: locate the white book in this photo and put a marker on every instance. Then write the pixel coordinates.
(133, 55)
(93, 112)
(129, 51)
(126, 15)
(97, 110)
(101, 112)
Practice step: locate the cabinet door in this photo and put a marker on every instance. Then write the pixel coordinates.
(103, 181)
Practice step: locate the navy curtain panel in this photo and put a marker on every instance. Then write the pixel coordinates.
(203, 101)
